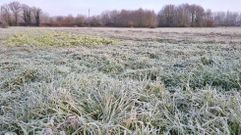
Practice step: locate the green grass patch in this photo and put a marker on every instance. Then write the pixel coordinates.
(62, 39)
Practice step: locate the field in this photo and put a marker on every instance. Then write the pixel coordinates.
(106, 81)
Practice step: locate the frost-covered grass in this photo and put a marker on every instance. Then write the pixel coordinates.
(138, 87)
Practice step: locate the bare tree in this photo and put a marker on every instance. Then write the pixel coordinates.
(167, 16)
(27, 15)
(36, 14)
(15, 8)
(239, 20)
(80, 20)
(219, 18)
(183, 16)
(105, 18)
(6, 15)
(94, 21)
(69, 21)
(150, 19)
(208, 19)
(231, 18)
(129, 18)
(226, 18)
(197, 13)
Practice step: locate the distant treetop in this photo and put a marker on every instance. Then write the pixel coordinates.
(184, 15)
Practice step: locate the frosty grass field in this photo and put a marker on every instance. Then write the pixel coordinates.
(107, 81)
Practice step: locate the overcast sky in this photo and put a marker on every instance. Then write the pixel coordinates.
(74, 7)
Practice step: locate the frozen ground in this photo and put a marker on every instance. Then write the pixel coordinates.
(154, 81)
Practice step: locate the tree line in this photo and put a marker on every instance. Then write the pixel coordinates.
(17, 14)
(185, 15)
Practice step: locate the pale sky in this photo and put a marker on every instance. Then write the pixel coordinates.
(74, 7)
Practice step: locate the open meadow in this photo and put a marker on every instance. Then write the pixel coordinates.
(126, 81)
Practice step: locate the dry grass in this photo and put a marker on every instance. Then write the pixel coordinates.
(140, 87)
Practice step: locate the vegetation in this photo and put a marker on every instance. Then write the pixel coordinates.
(63, 39)
(4, 25)
(139, 86)
(184, 15)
